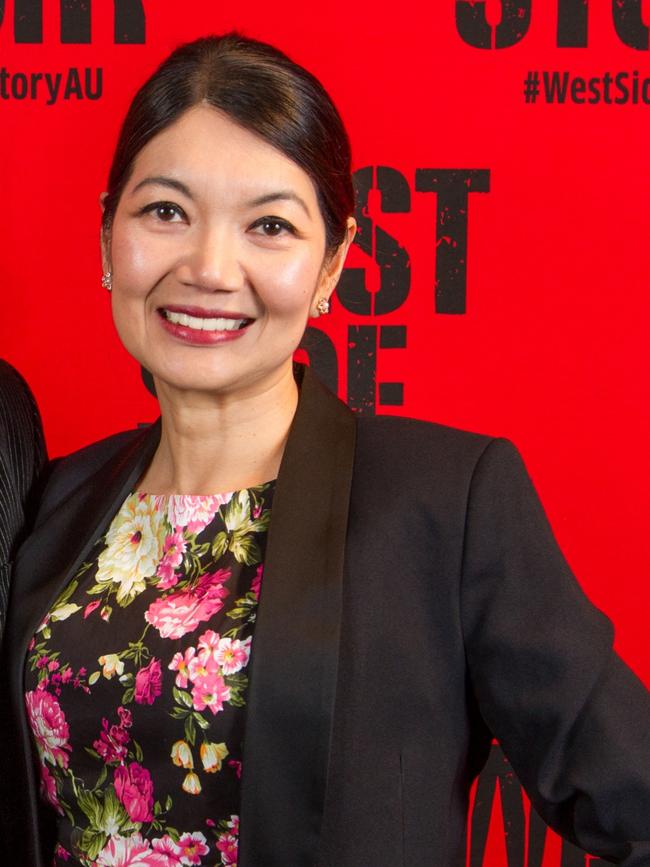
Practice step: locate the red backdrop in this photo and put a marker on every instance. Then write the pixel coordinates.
(550, 350)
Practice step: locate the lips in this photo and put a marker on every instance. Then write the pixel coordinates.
(203, 327)
(203, 320)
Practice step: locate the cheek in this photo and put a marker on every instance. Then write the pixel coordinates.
(134, 260)
(290, 287)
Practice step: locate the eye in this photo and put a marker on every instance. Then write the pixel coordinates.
(166, 212)
(272, 227)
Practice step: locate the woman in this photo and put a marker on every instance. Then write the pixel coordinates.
(412, 601)
(22, 455)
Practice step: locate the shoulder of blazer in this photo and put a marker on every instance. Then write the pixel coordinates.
(65, 475)
(410, 449)
(22, 447)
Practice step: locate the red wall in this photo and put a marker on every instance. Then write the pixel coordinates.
(552, 350)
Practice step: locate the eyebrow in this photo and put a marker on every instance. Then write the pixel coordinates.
(282, 196)
(162, 181)
(267, 198)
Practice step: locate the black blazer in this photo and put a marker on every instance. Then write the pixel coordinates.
(22, 455)
(414, 606)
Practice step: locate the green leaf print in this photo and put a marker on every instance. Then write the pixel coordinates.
(201, 721)
(182, 697)
(190, 730)
(220, 545)
(91, 843)
(91, 806)
(238, 512)
(245, 549)
(261, 524)
(178, 712)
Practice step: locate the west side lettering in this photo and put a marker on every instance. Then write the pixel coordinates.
(129, 18)
(449, 237)
(504, 23)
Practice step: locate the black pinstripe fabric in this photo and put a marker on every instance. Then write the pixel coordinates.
(22, 455)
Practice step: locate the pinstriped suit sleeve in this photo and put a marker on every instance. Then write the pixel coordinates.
(22, 456)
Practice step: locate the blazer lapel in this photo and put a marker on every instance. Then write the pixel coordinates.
(296, 643)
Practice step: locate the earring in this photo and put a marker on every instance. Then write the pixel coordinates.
(107, 280)
(323, 306)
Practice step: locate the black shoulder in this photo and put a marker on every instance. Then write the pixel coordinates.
(432, 465)
(20, 421)
(66, 474)
(12, 383)
(417, 445)
(22, 446)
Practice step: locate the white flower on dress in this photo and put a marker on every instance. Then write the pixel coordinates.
(134, 547)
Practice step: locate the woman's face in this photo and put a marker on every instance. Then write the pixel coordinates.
(217, 250)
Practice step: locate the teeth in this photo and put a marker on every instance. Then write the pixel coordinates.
(201, 323)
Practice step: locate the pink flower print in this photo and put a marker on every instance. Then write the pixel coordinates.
(126, 720)
(167, 577)
(148, 683)
(49, 727)
(227, 844)
(208, 643)
(134, 790)
(88, 610)
(112, 743)
(202, 666)
(257, 581)
(66, 675)
(173, 550)
(166, 846)
(211, 582)
(233, 654)
(128, 851)
(211, 692)
(234, 824)
(180, 664)
(179, 613)
(60, 852)
(192, 512)
(48, 789)
(192, 847)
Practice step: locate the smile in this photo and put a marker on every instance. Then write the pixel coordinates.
(204, 323)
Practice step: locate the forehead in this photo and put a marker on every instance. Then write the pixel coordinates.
(210, 152)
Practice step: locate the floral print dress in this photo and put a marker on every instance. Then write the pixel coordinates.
(136, 683)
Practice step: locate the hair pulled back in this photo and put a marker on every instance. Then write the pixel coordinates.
(262, 90)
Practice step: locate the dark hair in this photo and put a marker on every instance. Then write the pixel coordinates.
(265, 92)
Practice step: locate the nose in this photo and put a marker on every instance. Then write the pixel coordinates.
(211, 261)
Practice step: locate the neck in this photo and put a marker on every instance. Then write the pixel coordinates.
(214, 443)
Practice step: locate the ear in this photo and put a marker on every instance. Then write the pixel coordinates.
(333, 266)
(104, 239)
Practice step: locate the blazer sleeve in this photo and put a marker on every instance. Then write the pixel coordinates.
(22, 458)
(570, 715)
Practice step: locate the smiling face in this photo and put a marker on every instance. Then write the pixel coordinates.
(217, 250)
